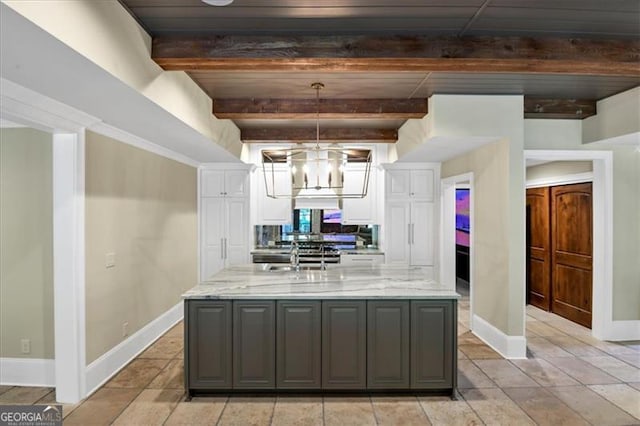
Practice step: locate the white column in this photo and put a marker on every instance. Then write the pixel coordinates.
(68, 260)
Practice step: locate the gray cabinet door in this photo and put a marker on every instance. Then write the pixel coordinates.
(208, 344)
(254, 336)
(432, 344)
(344, 357)
(388, 344)
(298, 345)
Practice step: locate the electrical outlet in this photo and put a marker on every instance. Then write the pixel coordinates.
(110, 260)
(125, 329)
(25, 346)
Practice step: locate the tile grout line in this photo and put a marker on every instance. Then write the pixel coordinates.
(224, 407)
(373, 410)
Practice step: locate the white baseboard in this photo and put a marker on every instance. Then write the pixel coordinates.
(103, 368)
(510, 347)
(27, 372)
(619, 331)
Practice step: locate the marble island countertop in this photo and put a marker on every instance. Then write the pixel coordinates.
(337, 282)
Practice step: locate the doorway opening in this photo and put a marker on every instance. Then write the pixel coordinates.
(456, 253)
(601, 227)
(559, 244)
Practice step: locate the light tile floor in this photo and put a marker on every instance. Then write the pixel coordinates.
(569, 378)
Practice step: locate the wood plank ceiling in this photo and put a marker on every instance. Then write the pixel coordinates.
(380, 60)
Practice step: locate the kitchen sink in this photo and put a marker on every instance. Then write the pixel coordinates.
(289, 268)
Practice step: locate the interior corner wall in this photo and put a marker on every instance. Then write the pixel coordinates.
(26, 243)
(105, 33)
(567, 135)
(142, 208)
(490, 165)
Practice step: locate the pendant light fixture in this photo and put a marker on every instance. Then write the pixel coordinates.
(317, 171)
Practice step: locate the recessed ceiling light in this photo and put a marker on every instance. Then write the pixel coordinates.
(217, 2)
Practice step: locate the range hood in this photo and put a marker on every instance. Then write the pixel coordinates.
(317, 199)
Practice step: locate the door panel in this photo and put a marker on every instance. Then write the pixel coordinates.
(298, 345)
(538, 248)
(254, 354)
(344, 345)
(572, 248)
(422, 233)
(213, 219)
(236, 249)
(387, 344)
(398, 235)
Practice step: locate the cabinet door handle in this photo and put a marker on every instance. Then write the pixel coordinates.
(413, 233)
(225, 248)
(409, 233)
(221, 248)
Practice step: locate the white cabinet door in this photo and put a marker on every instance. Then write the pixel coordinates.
(236, 183)
(359, 211)
(212, 184)
(422, 233)
(213, 222)
(397, 248)
(274, 211)
(236, 245)
(421, 186)
(398, 184)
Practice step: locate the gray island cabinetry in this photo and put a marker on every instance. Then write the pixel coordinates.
(337, 330)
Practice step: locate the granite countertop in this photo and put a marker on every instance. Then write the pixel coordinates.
(337, 282)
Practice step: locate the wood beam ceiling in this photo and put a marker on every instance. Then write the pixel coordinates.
(559, 108)
(619, 57)
(327, 135)
(329, 108)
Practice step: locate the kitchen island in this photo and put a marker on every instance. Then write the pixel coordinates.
(364, 329)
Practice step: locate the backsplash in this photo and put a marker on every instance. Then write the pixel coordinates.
(365, 236)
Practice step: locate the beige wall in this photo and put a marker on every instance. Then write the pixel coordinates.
(499, 166)
(26, 243)
(143, 208)
(567, 134)
(490, 165)
(556, 169)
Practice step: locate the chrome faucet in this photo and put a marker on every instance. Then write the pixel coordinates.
(323, 265)
(294, 259)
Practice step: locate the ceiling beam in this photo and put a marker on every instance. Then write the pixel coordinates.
(329, 108)
(398, 53)
(308, 134)
(559, 108)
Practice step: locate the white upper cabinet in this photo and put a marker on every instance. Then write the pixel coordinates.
(273, 211)
(225, 183)
(403, 184)
(359, 211)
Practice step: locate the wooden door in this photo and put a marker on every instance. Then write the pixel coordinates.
(539, 248)
(571, 253)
